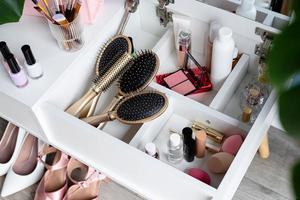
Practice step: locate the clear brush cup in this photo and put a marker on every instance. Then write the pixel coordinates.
(69, 36)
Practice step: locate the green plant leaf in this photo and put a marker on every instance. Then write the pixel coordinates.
(10, 10)
(284, 59)
(289, 110)
(295, 180)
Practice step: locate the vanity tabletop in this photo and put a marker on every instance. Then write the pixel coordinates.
(35, 32)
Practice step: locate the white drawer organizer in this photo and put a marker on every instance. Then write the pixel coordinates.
(115, 151)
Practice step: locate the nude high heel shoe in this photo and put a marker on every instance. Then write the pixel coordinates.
(10, 145)
(54, 184)
(86, 181)
(26, 170)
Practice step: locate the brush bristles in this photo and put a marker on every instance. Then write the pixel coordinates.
(142, 106)
(111, 53)
(102, 83)
(139, 75)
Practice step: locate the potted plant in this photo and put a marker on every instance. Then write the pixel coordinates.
(284, 73)
(10, 10)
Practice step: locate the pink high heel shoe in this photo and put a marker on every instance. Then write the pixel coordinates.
(54, 184)
(86, 181)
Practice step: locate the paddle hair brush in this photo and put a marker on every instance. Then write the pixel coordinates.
(136, 109)
(144, 67)
(102, 83)
(111, 51)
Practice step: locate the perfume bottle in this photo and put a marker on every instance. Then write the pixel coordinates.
(252, 99)
(184, 42)
(175, 148)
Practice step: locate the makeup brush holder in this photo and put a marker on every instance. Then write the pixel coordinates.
(70, 37)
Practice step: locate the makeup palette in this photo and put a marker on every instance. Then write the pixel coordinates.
(186, 82)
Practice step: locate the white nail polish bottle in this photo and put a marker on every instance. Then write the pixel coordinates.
(33, 68)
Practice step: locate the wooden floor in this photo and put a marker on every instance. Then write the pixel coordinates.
(265, 179)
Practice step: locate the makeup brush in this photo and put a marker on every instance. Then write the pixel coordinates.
(136, 109)
(61, 19)
(110, 51)
(47, 6)
(144, 67)
(102, 83)
(45, 14)
(75, 9)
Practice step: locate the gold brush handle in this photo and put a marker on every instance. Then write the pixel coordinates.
(79, 105)
(116, 100)
(93, 106)
(264, 150)
(95, 120)
(85, 110)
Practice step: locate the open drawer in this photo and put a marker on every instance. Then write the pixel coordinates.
(117, 149)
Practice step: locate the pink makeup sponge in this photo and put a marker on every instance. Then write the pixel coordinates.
(232, 144)
(220, 162)
(200, 175)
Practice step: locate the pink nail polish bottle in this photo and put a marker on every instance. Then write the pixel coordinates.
(16, 73)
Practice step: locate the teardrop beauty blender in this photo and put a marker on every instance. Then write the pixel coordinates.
(232, 144)
(220, 162)
(200, 175)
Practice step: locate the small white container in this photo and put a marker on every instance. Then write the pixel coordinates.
(222, 54)
(247, 9)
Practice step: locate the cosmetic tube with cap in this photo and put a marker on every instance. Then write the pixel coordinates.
(33, 68)
(16, 73)
(189, 145)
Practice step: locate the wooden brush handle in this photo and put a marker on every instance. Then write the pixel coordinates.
(79, 105)
(95, 120)
(264, 150)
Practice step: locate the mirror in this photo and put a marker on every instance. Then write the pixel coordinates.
(274, 13)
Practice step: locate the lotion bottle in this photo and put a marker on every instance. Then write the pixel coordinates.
(247, 9)
(222, 54)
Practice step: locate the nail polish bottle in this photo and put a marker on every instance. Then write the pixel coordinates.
(150, 149)
(16, 73)
(4, 51)
(33, 68)
(189, 145)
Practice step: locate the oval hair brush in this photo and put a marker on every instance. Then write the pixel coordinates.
(144, 67)
(136, 109)
(111, 51)
(117, 66)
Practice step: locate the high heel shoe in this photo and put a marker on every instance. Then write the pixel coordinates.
(86, 181)
(26, 170)
(10, 145)
(54, 184)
